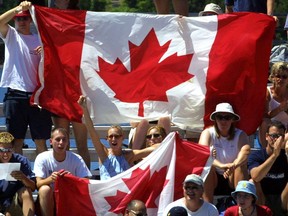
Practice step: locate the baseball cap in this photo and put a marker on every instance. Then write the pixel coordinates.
(177, 211)
(196, 179)
(23, 14)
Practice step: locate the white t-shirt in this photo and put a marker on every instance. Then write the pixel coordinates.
(45, 164)
(207, 209)
(21, 61)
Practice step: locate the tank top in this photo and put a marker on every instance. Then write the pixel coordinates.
(227, 150)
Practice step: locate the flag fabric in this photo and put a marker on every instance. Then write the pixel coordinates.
(156, 180)
(134, 66)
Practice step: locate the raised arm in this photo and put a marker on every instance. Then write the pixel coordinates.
(135, 155)
(101, 149)
(7, 16)
(258, 173)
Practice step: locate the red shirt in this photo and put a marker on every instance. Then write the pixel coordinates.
(261, 211)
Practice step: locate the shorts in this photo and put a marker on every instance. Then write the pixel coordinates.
(14, 208)
(274, 203)
(20, 114)
(223, 187)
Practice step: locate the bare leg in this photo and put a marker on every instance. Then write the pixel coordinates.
(18, 145)
(162, 6)
(25, 197)
(40, 145)
(181, 7)
(80, 133)
(210, 185)
(240, 173)
(62, 123)
(46, 200)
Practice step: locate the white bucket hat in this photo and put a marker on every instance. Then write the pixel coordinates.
(225, 108)
(212, 8)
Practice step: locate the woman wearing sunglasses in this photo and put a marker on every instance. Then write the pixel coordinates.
(232, 149)
(276, 100)
(155, 134)
(113, 160)
(245, 196)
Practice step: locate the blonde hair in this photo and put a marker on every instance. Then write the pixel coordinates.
(278, 68)
(118, 127)
(6, 137)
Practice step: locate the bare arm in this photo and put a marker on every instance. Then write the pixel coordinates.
(205, 138)
(29, 183)
(50, 179)
(101, 150)
(136, 155)
(270, 7)
(244, 150)
(258, 173)
(7, 16)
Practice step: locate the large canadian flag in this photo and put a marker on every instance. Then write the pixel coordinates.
(157, 180)
(134, 66)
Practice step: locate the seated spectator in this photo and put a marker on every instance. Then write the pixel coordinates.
(245, 196)
(16, 195)
(211, 9)
(138, 134)
(276, 99)
(113, 160)
(177, 211)
(269, 168)
(50, 165)
(181, 7)
(259, 6)
(232, 150)
(193, 188)
(136, 207)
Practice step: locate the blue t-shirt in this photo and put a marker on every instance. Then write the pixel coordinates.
(9, 188)
(276, 179)
(259, 6)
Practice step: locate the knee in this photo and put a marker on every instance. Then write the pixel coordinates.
(45, 192)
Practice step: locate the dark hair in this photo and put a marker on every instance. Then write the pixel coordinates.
(73, 5)
(160, 129)
(279, 125)
(231, 133)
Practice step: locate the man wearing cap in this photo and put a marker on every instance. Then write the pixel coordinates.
(232, 150)
(211, 9)
(269, 169)
(193, 188)
(19, 76)
(16, 196)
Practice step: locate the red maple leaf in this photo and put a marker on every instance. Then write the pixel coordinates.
(142, 187)
(148, 79)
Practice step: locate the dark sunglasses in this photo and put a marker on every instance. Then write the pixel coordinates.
(5, 150)
(275, 136)
(191, 188)
(137, 214)
(281, 76)
(116, 136)
(25, 18)
(224, 117)
(154, 135)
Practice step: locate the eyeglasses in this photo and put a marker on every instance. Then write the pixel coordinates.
(5, 150)
(116, 136)
(281, 76)
(25, 18)
(243, 196)
(224, 117)
(275, 136)
(191, 188)
(149, 136)
(137, 214)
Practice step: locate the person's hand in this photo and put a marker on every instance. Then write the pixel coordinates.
(24, 5)
(82, 102)
(214, 153)
(55, 175)
(229, 169)
(277, 146)
(38, 50)
(18, 175)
